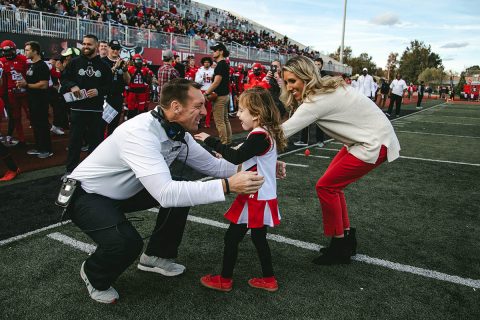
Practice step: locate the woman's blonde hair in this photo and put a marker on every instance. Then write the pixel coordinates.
(306, 70)
(260, 104)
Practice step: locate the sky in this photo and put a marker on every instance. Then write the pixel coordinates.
(376, 27)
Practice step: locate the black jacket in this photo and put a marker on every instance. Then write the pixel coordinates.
(87, 74)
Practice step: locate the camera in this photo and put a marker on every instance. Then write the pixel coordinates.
(273, 69)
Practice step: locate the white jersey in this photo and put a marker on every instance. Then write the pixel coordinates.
(204, 77)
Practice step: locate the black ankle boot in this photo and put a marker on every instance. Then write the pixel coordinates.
(337, 253)
(352, 240)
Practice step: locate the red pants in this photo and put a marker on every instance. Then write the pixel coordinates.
(137, 101)
(344, 169)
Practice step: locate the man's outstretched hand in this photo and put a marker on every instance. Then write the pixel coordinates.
(245, 182)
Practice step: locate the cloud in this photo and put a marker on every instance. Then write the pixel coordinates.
(386, 19)
(455, 45)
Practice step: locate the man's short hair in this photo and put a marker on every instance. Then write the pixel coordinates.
(176, 89)
(103, 41)
(91, 36)
(319, 60)
(34, 45)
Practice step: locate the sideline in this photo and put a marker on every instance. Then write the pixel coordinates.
(427, 273)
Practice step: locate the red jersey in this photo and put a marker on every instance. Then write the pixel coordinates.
(238, 78)
(139, 76)
(14, 70)
(254, 80)
(190, 73)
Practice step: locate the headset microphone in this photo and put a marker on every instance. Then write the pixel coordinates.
(173, 130)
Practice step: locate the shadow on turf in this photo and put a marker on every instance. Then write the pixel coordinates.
(29, 205)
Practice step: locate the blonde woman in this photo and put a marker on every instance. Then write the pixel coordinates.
(348, 117)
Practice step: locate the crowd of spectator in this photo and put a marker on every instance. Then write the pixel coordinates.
(191, 22)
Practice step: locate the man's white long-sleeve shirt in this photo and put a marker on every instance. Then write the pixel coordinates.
(138, 155)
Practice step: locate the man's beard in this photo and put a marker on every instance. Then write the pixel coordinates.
(88, 52)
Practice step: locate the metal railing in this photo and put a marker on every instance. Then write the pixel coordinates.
(52, 25)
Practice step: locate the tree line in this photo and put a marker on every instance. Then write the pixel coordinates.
(417, 63)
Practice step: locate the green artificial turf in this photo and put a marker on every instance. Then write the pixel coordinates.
(417, 213)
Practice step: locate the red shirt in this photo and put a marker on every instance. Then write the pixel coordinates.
(190, 73)
(138, 78)
(13, 70)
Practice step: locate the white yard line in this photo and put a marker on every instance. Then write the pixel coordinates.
(302, 154)
(437, 134)
(417, 112)
(88, 248)
(437, 115)
(79, 245)
(442, 161)
(328, 149)
(296, 165)
(25, 235)
(421, 159)
(455, 123)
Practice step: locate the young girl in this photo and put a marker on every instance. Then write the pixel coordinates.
(257, 113)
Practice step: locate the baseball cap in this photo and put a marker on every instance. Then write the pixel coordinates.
(71, 51)
(114, 44)
(220, 46)
(167, 55)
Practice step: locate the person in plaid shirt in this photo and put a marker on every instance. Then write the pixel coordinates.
(166, 72)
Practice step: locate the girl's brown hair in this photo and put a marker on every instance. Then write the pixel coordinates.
(259, 103)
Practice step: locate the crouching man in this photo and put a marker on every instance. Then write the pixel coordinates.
(129, 172)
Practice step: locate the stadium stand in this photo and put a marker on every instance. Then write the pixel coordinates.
(127, 21)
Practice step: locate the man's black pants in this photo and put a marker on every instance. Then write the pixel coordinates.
(419, 101)
(398, 104)
(118, 242)
(38, 107)
(82, 122)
